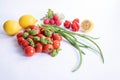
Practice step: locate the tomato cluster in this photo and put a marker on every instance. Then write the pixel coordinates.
(74, 25)
(39, 39)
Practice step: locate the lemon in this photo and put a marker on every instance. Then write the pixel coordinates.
(27, 20)
(11, 27)
(87, 25)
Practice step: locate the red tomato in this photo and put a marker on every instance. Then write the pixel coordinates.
(39, 47)
(20, 40)
(33, 27)
(48, 48)
(42, 30)
(56, 44)
(19, 34)
(57, 37)
(29, 51)
(30, 36)
(40, 35)
(56, 17)
(24, 43)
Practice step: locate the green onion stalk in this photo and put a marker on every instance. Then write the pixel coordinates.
(71, 38)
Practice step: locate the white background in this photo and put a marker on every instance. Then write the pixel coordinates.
(106, 17)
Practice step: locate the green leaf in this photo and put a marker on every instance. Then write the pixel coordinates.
(25, 34)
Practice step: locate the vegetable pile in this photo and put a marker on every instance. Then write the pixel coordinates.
(39, 39)
(47, 37)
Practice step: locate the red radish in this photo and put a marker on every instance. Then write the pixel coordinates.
(52, 22)
(56, 37)
(46, 21)
(55, 17)
(19, 34)
(58, 22)
(33, 27)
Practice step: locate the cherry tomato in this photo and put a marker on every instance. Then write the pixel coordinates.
(20, 40)
(39, 47)
(57, 37)
(40, 35)
(48, 48)
(19, 34)
(33, 27)
(56, 44)
(30, 36)
(29, 51)
(24, 43)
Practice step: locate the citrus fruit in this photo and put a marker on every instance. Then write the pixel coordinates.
(27, 20)
(86, 26)
(11, 27)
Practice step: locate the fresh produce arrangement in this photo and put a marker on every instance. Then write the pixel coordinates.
(46, 37)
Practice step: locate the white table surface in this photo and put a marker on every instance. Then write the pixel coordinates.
(106, 17)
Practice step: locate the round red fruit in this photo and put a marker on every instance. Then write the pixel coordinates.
(24, 43)
(29, 51)
(48, 48)
(67, 24)
(19, 34)
(56, 44)
(39, 47)
(57, 37)
(20, 40)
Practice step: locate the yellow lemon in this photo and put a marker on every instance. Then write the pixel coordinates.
(27, 20)
(11, 27)
(87, 25)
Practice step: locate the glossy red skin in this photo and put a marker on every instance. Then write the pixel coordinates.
(52, 22)
(46, 21)
(30, 36)
(24, 43)
(75, 26)
(33, 27)
(56, 44)
(58, 22)
(40, 35)
(55, 17)
(39, 47)
(29, 51)
(76, 20)
(42, 30)
(67, 24)
(56, 37)
(20, 40)
(19, 34)
(48, 48)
